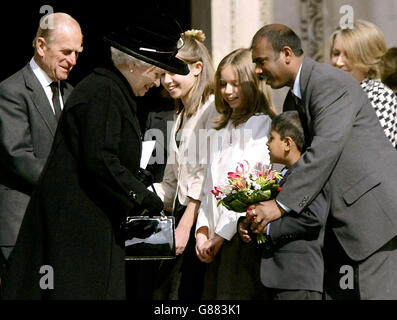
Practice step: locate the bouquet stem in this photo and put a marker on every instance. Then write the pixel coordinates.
(261, 238)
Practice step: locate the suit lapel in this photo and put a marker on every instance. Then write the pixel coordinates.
(287, 173)
(306, 71)
(133, 109)
(302, 106)
(39, 99)
(289, 103)
(177, 125)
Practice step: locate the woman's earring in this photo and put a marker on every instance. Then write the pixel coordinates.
(131, 70)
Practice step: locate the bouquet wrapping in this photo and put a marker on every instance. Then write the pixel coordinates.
(245, 187)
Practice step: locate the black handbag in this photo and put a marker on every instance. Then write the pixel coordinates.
(149, 238)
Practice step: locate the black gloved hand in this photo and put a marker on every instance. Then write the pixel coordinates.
(152, 203)
(145, 176)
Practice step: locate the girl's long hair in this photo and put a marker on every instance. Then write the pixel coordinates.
(193, 51)
(256, 95)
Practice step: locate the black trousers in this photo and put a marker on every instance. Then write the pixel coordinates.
(140, 279)
(3, 268)
(335, 259)
(277, 294)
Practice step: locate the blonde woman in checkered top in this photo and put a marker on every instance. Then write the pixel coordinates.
(359, 51)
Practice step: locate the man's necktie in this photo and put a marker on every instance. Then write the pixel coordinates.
(300, 107)
(298, 104)
(55, 99)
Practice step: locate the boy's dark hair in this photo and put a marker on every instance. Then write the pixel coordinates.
(279, 36)
(288, 124)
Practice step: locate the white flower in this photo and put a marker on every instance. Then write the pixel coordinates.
(226, 189)
(196, 34)
(256, 186)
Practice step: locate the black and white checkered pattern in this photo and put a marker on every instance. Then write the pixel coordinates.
(384, 102)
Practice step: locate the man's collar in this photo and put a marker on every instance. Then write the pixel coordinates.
(43, 77)
(296, 90)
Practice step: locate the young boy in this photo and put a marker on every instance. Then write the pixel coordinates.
(292, 265)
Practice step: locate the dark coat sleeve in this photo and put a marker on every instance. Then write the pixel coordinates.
(101, 132)
(304, 226)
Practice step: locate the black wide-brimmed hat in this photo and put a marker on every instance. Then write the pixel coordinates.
(155, 39)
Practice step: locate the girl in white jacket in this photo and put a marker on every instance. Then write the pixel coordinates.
(182, 186)
(246, 111)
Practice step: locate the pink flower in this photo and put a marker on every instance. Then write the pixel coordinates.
(217, 193)
(240, 169)
(240, 185)
(252, 185)
(233, 175)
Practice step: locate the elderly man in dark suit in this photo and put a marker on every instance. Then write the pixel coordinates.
(343, 155)
(30, 104)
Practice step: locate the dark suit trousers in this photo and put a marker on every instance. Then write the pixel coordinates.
(374, 278)
(377, 278)
(3, 268)
(334, 259)
(277, 294)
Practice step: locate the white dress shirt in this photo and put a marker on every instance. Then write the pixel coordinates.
(45, 82)
(296, 89)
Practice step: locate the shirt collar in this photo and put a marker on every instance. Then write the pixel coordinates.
(296, 90)
(40, 74)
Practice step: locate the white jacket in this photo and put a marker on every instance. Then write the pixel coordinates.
(185, 171)
(246, 142)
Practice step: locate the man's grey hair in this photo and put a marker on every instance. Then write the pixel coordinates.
(48, 26)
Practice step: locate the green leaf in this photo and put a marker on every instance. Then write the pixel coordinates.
(238, 206)
(240, 201)
(268, 185)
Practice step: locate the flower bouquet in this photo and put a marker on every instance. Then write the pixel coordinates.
(246, 187)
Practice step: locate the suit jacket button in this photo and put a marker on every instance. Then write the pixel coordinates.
(133, 194)
(300, 204)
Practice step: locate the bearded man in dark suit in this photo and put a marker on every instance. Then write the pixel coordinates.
(31, 101)
(345, 141)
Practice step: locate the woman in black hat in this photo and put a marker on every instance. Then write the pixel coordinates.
(70, 244)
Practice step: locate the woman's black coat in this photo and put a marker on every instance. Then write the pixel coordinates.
(87, 187)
